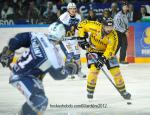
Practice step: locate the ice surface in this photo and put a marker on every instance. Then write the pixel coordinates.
(107, 100)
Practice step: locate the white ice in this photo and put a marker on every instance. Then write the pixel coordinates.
(73, 92)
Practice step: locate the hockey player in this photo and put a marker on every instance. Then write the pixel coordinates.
(70, 47)
(102, 45)
(43, 56)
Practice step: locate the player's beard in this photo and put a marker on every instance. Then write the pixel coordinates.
(107, 32)
(104, 32)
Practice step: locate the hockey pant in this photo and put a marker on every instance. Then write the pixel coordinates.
(112, 66)
(32, 88)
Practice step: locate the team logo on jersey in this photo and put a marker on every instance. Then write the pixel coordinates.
(70, 31)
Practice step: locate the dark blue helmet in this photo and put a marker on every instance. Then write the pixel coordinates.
(107, 21)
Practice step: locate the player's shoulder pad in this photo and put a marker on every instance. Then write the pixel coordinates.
(36, 34)
(78, 16)
(64, 16)
(113, 34)
(23, 34)
(114, 31)
(83, 23)
(95, 23)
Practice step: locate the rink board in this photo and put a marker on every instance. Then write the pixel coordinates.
(7, 32)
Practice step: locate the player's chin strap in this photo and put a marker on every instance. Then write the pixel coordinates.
(105, 73)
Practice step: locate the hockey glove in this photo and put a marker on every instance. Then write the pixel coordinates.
(100, 62)
(71, 68)
(6, 56)
(83, 43)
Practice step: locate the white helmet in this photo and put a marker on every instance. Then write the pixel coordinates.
(56, 31)
(71, 5)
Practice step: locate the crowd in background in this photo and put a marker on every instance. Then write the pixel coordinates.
(47, 11)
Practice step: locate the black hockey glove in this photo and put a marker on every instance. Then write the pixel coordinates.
(83, 43)
(71, 68)
(100, 62)
(6, 56)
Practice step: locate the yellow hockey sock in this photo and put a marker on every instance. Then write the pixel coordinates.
(119, 81)
(92, 79)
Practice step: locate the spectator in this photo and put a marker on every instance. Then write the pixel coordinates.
(106, 14)
(132, 15)
(38, 3)
(143, 12)
(1, 4)
(50, 14)
(51, 5)
(33, 13)
(114, 9)
(92, 16)
(54, 8)
(68, 1)
(20, 9)
(85, 1)
(7, 11)
(59, 12)
(121, 26)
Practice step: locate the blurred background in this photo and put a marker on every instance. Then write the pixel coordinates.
(40, 13)
(47, 11)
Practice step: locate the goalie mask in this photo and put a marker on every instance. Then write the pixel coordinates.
(57, 31)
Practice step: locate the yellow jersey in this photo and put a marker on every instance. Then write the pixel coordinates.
(98, 43)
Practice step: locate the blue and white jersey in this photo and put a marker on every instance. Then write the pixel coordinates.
(41, 56)
(70, 23)
(70, 46)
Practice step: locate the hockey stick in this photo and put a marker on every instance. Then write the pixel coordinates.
(106, 75)
(3, 66)
(69, 38)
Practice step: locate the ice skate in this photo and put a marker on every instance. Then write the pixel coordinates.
(126, 95)
(90, 95)
(81, 75)
(71, 77)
